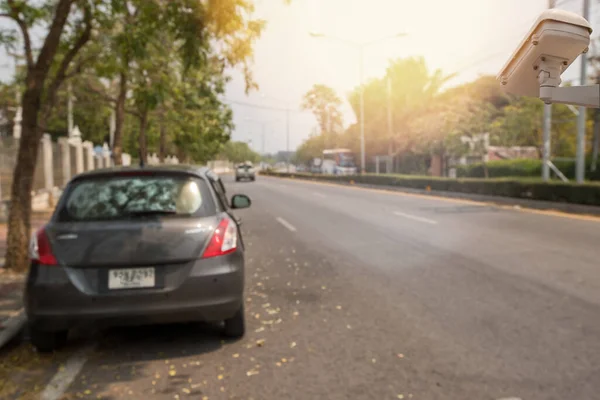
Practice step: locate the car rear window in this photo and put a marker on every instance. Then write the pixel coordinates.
(116, 197)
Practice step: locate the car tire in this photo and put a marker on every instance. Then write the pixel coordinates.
(46, 342)
(235, 327)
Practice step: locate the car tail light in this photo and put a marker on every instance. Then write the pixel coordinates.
(40, 249)
(223, 240)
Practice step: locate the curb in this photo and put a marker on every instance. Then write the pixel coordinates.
(12, 326)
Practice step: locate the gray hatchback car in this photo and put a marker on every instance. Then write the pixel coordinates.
(132, 246)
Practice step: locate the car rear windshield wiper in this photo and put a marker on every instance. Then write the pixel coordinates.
(144, 213)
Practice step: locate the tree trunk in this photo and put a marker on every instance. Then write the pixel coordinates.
(120, 119)
(19, 223)
(162, 143)
(142, 137)
(19, 217)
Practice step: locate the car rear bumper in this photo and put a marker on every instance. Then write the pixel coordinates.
(211, 291)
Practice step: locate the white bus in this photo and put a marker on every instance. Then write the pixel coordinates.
(338, 162)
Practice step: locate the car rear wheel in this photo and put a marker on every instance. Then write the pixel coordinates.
(235, 327)
(46, 342)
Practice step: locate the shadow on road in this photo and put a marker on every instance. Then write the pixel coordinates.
(122, 358)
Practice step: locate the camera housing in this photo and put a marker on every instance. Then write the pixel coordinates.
(555, 40)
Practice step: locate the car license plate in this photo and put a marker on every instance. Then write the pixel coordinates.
(131, 278)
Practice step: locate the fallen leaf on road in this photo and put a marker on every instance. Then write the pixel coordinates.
(323, 287)
(186, 390)
(157, 376)
(220, 377)
(338, 307)
(400, 355)
(153, 383)
(373, 360)
(257, 315)
(292, 345)
(260, 342)
(278, 364)
(262, 328)
(252, 372)
(400, 396)
(289, 283)
(297, 301)
(87, 392)
(236, 355)
(222, 389)
(172, 372)
(284, 360)
(296, 313)
(348, 326)
(266, 305)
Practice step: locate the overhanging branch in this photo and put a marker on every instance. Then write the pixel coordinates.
(61, 73)
(14, 14)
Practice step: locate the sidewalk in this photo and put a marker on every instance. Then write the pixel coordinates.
(12, 317)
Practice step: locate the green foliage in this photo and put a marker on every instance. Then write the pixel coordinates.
(310, 149)
(586, 194)
(521, 168)
(325, 105)
(238, 152)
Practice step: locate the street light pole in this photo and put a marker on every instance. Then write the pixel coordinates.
(362, 110)
(581, 118)
(287, 129)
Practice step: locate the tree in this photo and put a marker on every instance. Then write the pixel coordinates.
(120, 28)
(325, 105)
(310, 149)
(413, 87)
(46, 71)
(238, 152)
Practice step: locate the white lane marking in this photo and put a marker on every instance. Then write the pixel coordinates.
(66, 375)
(286, 224)
(319, 194)
(415, 218)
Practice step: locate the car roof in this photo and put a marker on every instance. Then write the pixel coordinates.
(184, 168)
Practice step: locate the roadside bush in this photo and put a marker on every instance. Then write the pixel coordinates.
(532, 189)
(522, 168)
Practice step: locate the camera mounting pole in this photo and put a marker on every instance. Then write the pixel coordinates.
(549, 79)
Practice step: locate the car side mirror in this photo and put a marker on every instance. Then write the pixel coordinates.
(240, 201)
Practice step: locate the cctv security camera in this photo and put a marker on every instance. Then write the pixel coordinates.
(556, 39)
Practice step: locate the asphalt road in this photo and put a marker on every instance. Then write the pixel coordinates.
(358, 294)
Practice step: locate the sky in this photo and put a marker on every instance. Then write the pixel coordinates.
(470, 37)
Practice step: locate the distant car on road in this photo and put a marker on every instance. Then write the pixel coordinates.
(245, 171)
(133, 246)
